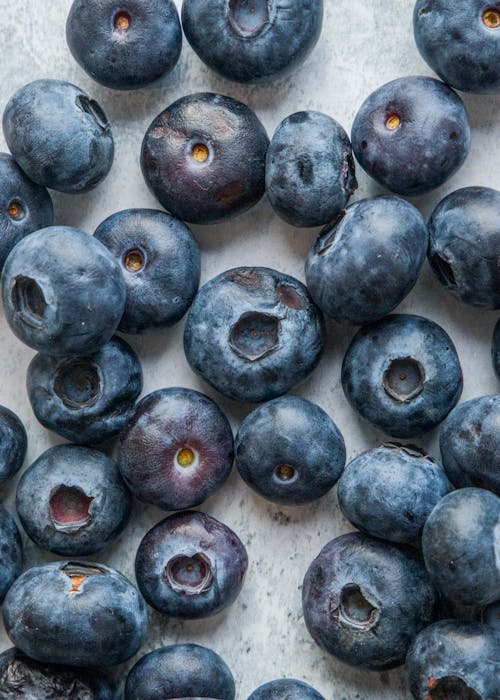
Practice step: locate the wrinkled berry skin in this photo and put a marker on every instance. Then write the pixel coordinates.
(365, 263)
(178, 671)
(470, 444)
(72, 501)
(63, 292)
(177, 449)
(390, 491)
(204, 158)
(252, 44)
(86, 399)
(59, 136)
(11, 552)
(459, 46)
(24, 206)
(21, 678)
(253, 333)
(77, 614)
(290, 451)
(190, 566)
(160, 261)
(125, 44)
(285, 689)
(310, 172)
(364, 600)
(402, 374)
(431, 142)
(454, 659)
(460, 546)
(495, 349)
(13, 444)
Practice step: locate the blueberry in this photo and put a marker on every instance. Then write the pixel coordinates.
(402, 374)
(63, 292)
(160, 260)
(177, 449)
(11, 552)
(456, 660)
(124, 44)
(310, 173)
(470, 444)
(178, 671)
(285, 689)
(491, 615)
(253, 333)
(86, 399)
(365, 600)
(290, 451)
(59, 136)
(204, 158)
(21, 678)
(390, 491)
(411, 135)
(252, 42)
(365, 263)
(72, 501)
(24, 206)
(495, 350)
(462, 45)
(190, 566)
(13, 444)
(77, 614)
(460, 546)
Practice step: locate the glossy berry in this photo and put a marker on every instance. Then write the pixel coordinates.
(72, 501)
(177, 449)
(402, 374)
(63, 292)
(310, 173)
(253, 333)
(252, 42)
(180, 671)
(290, 451)
(86, 399)
(204, 158)
(13, 444)
(411, 135)
(11, 552)
(366, 262)
(77, 614)
(59, 136)
(124, 44)
(495, 350)
(190, 566)
(285, 689)
(364, 600)
(160, 261)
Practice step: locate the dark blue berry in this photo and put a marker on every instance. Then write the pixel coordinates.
(13, 444)
(285, 689)
(11, 552)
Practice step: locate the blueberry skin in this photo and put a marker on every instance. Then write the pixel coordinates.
(460, 546)
(495, 349)
(365, 600)
(72, 501)
(204, 158)
(13, 444)
(431, 142)
(11, 552)
(59, 136)
(253, 333)
(24, 206)
(290, 451)
(21, 678)
(465, 244)
(365, 263)
(177, 449)
(63, 292)
(402, 374)
(124, 45)
(310, 172)
(285, 689)
(491, 615)
(454, 659)
(470, 444)
(160, 261)
(190, 566)
(252, 44)
(178, 671)
(390, 491)
(88, 399)
(77, 614)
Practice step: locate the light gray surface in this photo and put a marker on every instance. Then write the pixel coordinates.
(364, 44)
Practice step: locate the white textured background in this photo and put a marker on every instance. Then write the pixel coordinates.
(363, 45)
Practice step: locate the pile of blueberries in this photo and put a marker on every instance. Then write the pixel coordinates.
(420, 582)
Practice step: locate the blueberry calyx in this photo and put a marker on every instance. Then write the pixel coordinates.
(79, 572)
(77, 383)
(189, 575)
(356, 608)
(327, 235)
(248, 18)
(28, 301)
(491, 18)
(16, 210)
(443, 270)
(404, 379)
(70, 508)
(451, 687)
(255, 335)
(91, 107)
(122, 22)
